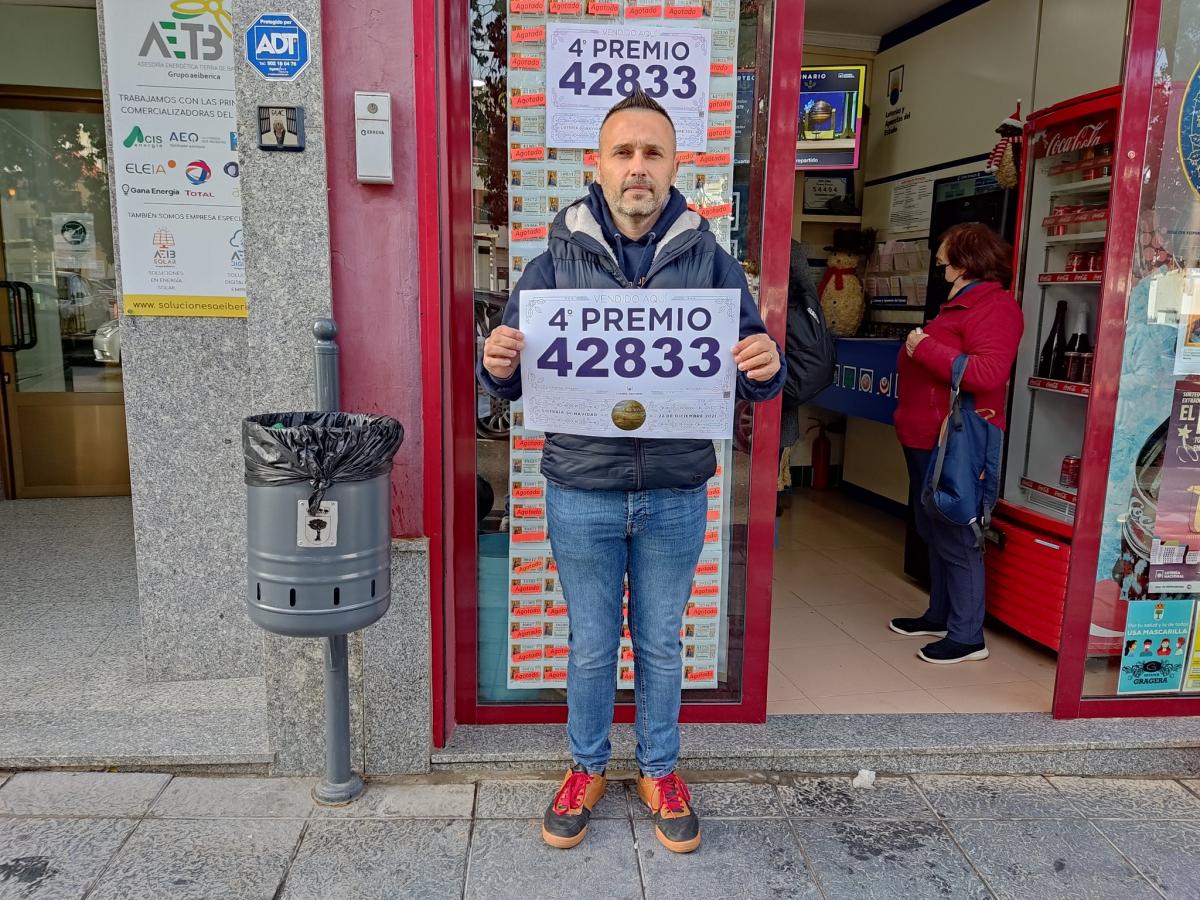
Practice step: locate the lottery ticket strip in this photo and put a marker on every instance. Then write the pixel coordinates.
(537, 611)
(543, 180)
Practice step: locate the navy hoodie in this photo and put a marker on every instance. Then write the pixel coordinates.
(635, 258)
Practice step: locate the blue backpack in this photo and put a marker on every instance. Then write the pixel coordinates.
(963, 480)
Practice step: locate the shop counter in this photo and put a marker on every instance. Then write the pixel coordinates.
(865, 379)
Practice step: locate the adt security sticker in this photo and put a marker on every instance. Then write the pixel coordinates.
(277, 45)
(318, 530)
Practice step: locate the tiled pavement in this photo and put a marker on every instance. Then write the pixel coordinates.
(132, 836)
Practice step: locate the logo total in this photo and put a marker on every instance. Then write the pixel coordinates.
(198, 171)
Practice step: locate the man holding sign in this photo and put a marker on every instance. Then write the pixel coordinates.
(633, 505)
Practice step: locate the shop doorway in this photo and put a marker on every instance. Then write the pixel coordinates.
(62, 428)
(507, 628)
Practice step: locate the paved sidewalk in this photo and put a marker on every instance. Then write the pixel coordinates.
(132, 836)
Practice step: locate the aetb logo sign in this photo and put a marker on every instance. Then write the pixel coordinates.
(277, 46)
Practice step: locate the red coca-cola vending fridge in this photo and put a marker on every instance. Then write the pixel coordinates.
(1066, 174)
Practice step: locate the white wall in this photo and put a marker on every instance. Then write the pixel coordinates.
(49, 46)
(960, 80)
(963, 77)
(1081, 45)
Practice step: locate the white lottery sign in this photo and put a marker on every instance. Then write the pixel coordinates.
(646, 363)
(589, 68)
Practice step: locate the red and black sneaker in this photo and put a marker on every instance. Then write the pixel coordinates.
(670, 803)
(566, 821)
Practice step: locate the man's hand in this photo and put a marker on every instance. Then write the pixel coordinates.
(757, 356)
(914, 339)
(502, 352)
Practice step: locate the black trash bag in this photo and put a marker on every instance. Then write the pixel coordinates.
(321, 448)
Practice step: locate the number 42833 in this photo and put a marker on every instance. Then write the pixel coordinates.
(656, 79)
(630, 357)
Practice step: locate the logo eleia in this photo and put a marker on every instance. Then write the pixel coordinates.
(183, 37)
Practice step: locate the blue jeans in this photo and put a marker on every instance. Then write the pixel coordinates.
(598, 537)
(956, 585)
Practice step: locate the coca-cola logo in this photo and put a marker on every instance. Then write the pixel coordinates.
(1087, 136)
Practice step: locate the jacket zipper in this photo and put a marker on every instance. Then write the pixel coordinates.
(637, 463)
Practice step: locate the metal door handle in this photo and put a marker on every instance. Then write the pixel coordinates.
(21, 315)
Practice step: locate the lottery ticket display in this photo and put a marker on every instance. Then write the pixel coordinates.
(675, 50)
(537, 610)
(622, 45)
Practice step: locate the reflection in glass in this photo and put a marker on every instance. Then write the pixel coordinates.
(57, 238)
(1163, 289)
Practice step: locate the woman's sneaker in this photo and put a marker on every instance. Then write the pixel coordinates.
(566, 820)
(947, 652)
(675, 822)
(913, 627)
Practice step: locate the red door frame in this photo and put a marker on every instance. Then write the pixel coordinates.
(1132, 151)
(443, 92)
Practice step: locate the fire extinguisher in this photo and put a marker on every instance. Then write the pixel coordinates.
(822, 450)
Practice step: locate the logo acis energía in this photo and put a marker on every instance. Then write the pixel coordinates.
(138, 137)
(183, 37)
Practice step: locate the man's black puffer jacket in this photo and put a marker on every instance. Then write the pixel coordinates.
(587, 252)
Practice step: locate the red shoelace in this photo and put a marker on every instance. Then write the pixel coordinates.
(675, 794)
(570, 795)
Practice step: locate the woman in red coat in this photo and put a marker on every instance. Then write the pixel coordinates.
(982, 320)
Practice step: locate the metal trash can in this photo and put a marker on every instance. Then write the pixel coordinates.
(318, 524)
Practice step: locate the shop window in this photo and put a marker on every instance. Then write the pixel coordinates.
(520, 185)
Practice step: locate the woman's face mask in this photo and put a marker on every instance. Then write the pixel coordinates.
(947, 271)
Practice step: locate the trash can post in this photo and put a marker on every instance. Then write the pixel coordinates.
(340, 784)
(325, 359)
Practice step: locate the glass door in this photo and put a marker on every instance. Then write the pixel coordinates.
(510, 630)
(59, 325)
(1131, 642)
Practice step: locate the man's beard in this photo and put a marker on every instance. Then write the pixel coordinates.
(637, 209)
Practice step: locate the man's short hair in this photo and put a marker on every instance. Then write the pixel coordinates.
(639, 99)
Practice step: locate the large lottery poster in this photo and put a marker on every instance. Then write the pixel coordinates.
(542, 180)
(537, 610)
(589, 66)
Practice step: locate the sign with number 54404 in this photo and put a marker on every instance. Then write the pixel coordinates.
(589, 68)
(655, 364)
